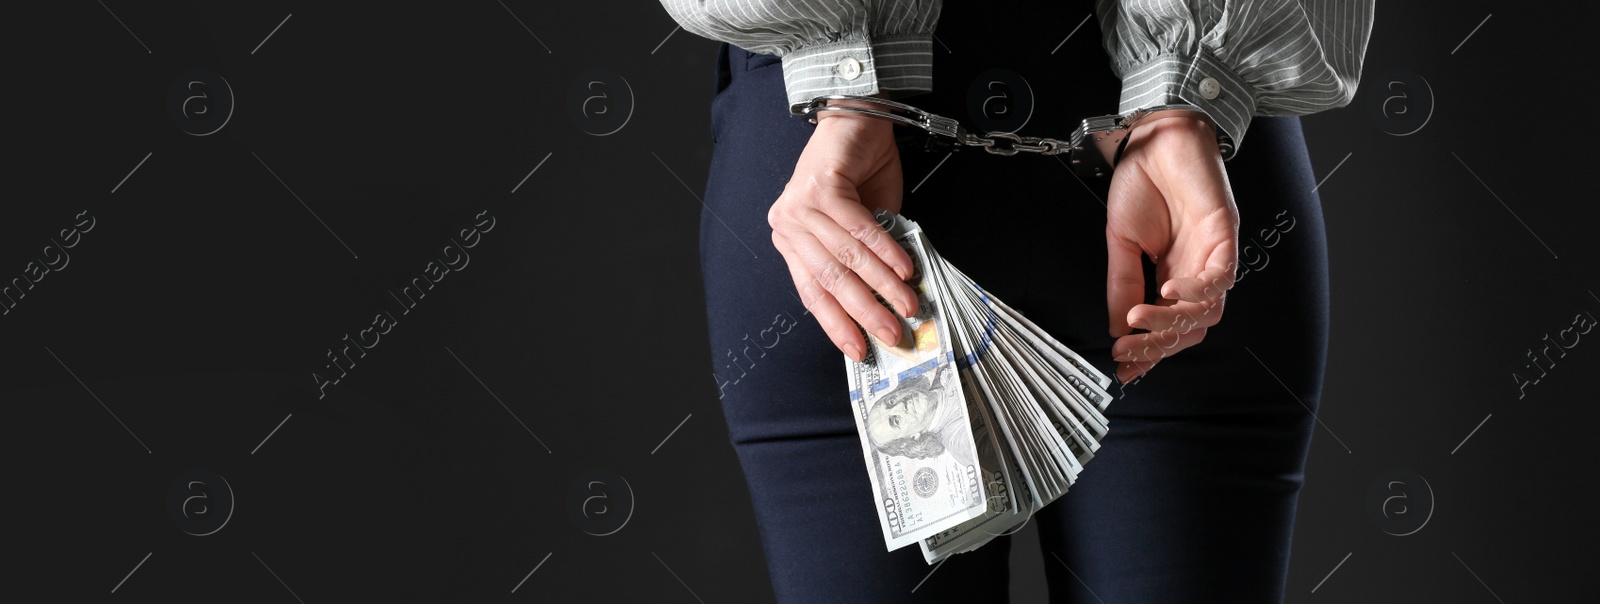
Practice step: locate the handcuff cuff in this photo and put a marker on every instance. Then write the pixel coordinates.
(1093, 149)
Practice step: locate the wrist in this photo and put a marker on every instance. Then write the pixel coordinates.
(1192, 129)
(1184, 126)
(834, 121)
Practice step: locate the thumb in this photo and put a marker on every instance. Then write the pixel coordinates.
(1124, 280)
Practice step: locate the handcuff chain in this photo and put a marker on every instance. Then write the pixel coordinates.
(1094, 146)
(998, 143)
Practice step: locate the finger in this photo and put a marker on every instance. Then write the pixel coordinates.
(1126, 372)
(1180, 316)
(1124, 280)
(1152, 347)
(1214, 233)
(845, 287)
(1214, 280)
(822, 305)
(851, 252)
(859, 222)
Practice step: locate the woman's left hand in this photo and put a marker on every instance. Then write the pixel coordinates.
(1169, 199)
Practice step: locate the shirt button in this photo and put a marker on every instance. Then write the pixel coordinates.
(849, 68)
(1209, 88)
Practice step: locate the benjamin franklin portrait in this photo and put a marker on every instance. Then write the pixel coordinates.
(920, 418)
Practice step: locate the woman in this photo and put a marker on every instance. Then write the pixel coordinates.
(1192, 496)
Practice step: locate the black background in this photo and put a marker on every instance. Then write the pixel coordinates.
(439, 468)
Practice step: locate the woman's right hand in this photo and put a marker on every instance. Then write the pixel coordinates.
(823, 225)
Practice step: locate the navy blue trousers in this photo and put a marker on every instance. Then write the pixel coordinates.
(1191, 497)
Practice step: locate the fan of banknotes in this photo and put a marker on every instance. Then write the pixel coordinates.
(976, 419)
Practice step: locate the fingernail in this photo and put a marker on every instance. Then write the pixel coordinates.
(851, 351)
(1139, 324)
(1124, 357)
(886, 334)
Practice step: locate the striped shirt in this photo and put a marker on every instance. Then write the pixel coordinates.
(1233, 59)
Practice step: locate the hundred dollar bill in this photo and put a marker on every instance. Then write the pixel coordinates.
(912, 416)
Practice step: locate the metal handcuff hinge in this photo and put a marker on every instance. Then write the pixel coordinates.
(1093, 148)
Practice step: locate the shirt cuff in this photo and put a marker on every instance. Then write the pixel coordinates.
(896, 66)
(1200, 81)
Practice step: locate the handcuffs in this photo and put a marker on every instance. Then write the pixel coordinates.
(1093, 148)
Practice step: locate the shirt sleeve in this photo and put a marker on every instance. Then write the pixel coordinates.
(1237, 59)
(863, 47)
